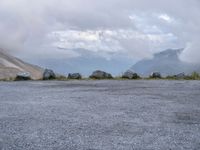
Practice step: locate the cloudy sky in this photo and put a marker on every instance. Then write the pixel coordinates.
(83, 35)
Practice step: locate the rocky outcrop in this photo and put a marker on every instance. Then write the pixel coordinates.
(130, 75)
(98, 74)
(10, 66)
(76, 76)
(49, 74)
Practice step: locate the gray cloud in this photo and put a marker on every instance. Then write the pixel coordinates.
(108, 28)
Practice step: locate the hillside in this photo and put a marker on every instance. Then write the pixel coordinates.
(166, 62)
(10, 66)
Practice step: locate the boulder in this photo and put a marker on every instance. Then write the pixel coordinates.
(156, 75)
(180, 76)
(23, 76)
(76, 76)
(98, 74)
(130, 75)
(48, 74)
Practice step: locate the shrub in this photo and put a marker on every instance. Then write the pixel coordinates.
(195, 76)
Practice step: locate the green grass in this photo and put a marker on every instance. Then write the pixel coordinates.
(193, 76)
(61, 78)
(8, 79)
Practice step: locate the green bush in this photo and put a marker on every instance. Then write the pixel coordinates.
(195, 76)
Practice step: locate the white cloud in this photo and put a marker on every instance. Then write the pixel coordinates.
(134, 28)
(110, 41)
(92, 40)
(191, 52)
(166, 18)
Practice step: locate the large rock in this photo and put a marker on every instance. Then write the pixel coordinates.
(101, 75)
(156, 75)
(49, 74)
(130, 75)
(180, 76)
(76, 76)
(23, 76)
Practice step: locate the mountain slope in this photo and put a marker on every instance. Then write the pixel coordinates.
(10, 66)
(166, 62)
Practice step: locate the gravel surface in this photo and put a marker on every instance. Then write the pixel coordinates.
(100, 115)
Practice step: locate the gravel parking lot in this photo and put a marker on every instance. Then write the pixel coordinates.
(100, 115)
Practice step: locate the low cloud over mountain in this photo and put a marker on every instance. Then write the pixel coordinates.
(166, 62)
(40, 31)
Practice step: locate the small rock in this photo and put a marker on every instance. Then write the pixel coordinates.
(130, 75)
(23, 76)
(48, 74)
(74, 76)
(98, 74)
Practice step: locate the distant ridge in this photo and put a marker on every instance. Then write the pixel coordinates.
(10, 66)
(166, 62)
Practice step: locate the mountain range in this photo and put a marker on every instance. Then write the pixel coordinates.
(166, 62)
